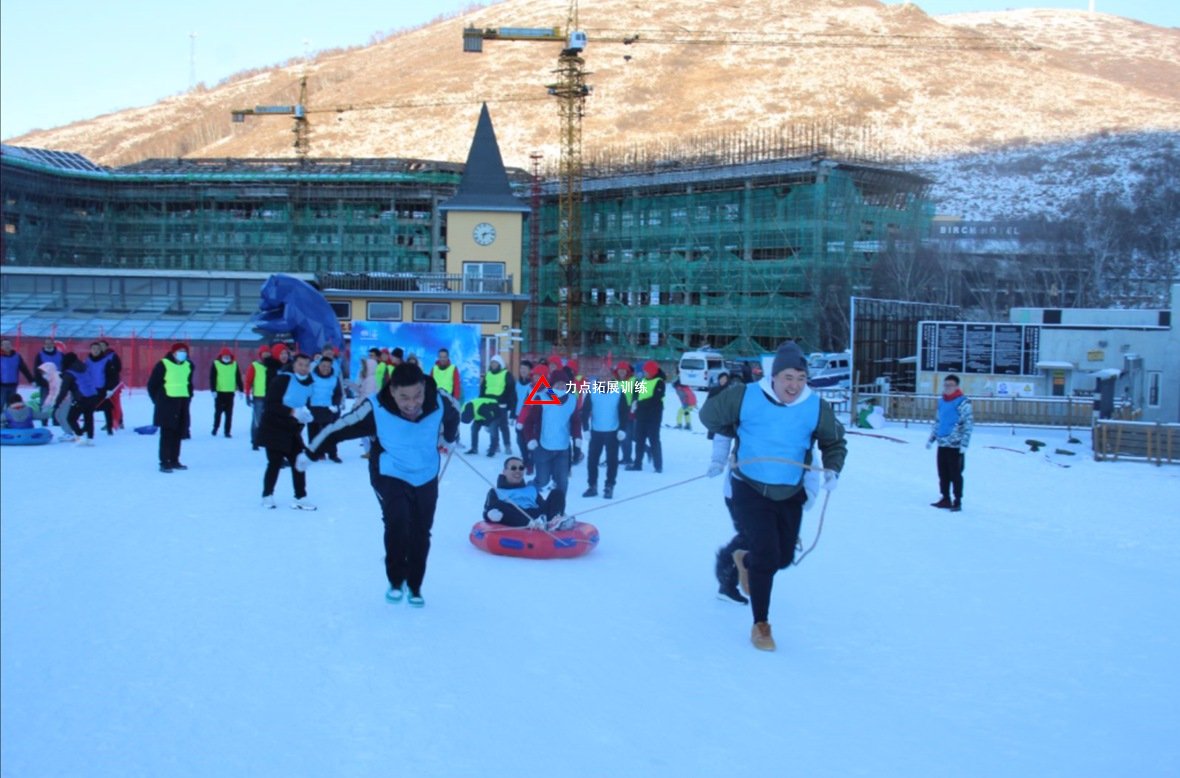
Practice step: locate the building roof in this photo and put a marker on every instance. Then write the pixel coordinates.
(485, 186)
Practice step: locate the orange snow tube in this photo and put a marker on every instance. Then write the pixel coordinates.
(534, 543)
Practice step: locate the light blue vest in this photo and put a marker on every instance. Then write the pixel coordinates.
(410, 447)
(522, 393)
(297, 394)
(948, 415)
(555, 423)
(767, 429)
(524, 497)
(604, 413)
(322, 388)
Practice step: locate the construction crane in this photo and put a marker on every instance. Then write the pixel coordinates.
(571, 92)
(300, 110)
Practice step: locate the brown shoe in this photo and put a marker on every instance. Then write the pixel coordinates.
(739, 560)
(761, 638)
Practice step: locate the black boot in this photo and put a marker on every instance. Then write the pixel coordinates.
(608, 492)
(956, 506)
(945, 502)
(591, 492)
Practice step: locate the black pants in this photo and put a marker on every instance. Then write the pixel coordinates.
(627, 445)
(647, 438)
(274, 463)
(599, 441)
(170, 445)
(726, 570)
(526, 456)
(951, 462)
(223, 404)
(84, 408)
(552, 504)
(408, 514)
(316, 427)
(771, 530)
(501, 423)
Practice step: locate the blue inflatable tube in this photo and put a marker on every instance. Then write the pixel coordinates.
(38, 436)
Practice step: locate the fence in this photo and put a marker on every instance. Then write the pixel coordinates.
(1136, 440)
(140, 355)
(1019, 411)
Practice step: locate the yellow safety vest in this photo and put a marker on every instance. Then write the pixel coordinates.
(495, 383)
(444, 378)
(259, 379)
(225, 376)
(649, 387)
(176, 378)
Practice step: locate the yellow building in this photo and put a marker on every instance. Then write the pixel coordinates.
(480, 278)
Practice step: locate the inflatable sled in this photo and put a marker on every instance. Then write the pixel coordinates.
(149, 429)
(38, 436)
(534, 543)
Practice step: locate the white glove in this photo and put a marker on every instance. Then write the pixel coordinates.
(495, 514)
(302, 462)
(532, 445)
(621, 435)
(812, 483)
(537, 523)
(562, 522)
(715, 469)
(519, 427)
(444, 447)
(303, 415)
(929, 443)
(831, 477)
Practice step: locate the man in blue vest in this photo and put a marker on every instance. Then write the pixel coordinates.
(775, 422)
(288, 409)
(952, 431)
(549, 429)
(12, 367)
(515, 502)
(414, 424)
(603, 414)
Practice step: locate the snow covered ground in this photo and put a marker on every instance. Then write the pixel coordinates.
(165, 625)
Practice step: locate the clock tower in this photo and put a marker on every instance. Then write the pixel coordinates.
(485, 235)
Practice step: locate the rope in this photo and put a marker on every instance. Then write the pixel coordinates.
(613, 503)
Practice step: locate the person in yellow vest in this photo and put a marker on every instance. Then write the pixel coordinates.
(171, 388)
(256, 391)
(498, 384)
(648, 407)
(224, 381)
(390, 361)
(446, 375)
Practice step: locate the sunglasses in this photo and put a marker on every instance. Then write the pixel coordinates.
(516, 467)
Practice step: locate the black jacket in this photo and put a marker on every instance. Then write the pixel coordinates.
(549, 506)
(278, 429)
(172, 413)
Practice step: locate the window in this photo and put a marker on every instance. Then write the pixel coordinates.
(384, 312)
(483, 276)
(343, 310)
(487, 313)
(1153, 389)
(432, 312)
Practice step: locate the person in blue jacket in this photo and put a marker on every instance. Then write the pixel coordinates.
(549, 429)
(78, 383)
(12, 367)
(603, 414)
(514, 502)
(414, 424)
(951, 430)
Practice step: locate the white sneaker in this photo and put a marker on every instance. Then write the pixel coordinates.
(67, 438)
(85, 441)
(302, 505)
(269, 502)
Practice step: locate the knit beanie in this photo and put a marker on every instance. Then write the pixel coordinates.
(278, 349)
(650, 368)
(788, 355)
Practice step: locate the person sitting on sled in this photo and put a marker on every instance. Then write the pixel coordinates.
(515, 503)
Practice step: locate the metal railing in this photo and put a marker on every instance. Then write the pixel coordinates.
(1136, 440)
(415, 283)
(1017, 411)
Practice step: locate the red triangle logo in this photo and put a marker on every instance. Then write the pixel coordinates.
(542, 383)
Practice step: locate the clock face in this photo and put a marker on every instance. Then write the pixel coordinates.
(484, 234)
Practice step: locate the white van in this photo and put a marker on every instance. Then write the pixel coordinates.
(700, 369)
(829, 371)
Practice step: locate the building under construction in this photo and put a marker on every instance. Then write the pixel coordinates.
(735, 253)
(683, 254)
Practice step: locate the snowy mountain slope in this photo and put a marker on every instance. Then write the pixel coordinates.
(165, 625)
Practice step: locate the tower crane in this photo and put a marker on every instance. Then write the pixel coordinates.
(571, 90)
(300, 110)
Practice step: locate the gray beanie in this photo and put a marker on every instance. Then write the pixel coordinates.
(788, 355)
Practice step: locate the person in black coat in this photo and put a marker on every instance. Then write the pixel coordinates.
(288, 396)
(171, 388)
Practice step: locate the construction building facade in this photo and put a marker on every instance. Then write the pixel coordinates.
(676, 256)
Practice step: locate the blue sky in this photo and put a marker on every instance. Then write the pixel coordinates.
(65, 60)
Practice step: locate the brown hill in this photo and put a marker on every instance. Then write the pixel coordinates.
(787, 62)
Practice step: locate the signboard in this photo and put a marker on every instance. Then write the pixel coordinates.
(423, 341)
(979, 348)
